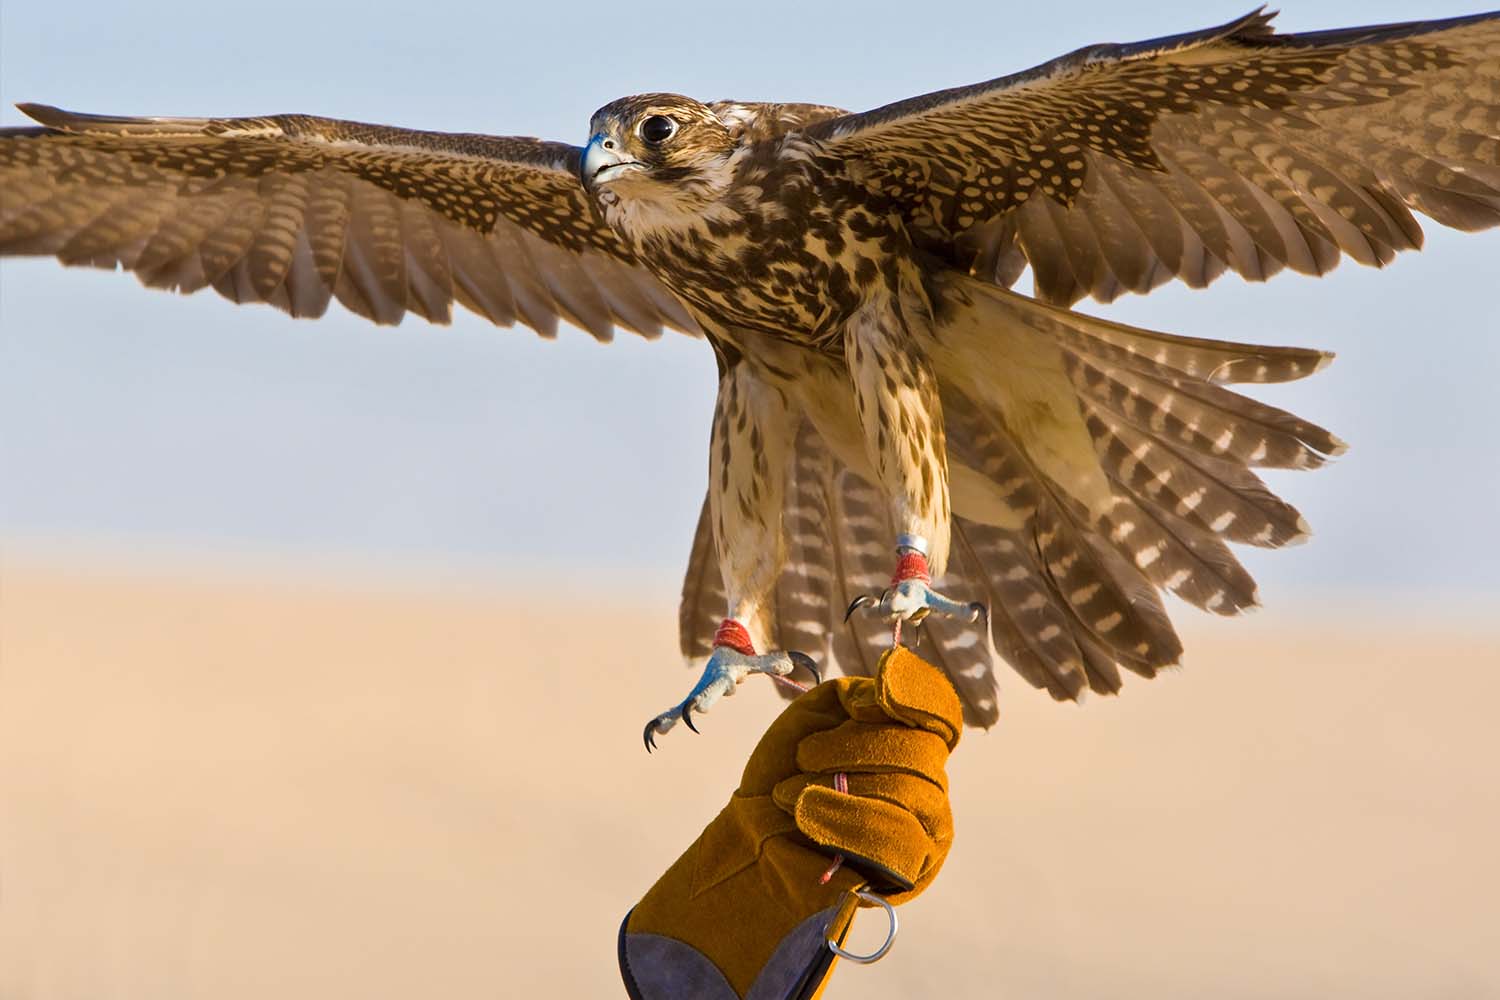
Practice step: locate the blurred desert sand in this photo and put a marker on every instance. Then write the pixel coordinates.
(233, 788)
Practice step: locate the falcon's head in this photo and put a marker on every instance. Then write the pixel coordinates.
(651, 140)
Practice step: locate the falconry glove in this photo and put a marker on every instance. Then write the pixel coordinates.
(846, 793)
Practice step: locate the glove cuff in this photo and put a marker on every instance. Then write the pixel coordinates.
(658, 967)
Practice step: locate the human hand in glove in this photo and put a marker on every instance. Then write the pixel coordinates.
(845, 793)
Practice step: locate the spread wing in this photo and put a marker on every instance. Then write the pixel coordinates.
(1120, 167)
(295, 211)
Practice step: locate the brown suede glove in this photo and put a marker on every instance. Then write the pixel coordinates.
(747, 911)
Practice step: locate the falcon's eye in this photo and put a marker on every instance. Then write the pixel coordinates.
(657, 129)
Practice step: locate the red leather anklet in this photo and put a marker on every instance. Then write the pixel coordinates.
(732, 634)
(911, 566)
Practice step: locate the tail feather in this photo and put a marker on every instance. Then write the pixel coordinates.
(1221, 362)
(1107, 596)
(1086, 575)
(811, 569)
(703, 598)
(847, 553)
(1029, 628)
(1181, 557)
(1099, 666)
(856, 550)
(1210, 419)
(1217, 495)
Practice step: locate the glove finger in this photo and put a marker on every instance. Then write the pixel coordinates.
(918, 796)
(861, 747)
(861, 701)
(775, 756)
(913, 691)
(866, 830)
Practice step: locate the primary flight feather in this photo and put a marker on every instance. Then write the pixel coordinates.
(1035, 475)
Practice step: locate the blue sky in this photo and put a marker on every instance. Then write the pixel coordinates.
(154, 423)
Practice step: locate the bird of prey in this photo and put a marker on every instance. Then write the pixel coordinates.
(885, 399)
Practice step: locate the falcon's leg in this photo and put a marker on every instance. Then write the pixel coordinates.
(896, 394)
(910, 596)
(733, 659)
(753, 429)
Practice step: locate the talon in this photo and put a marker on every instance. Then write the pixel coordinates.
(980, 612)
(862, 601)
(728, 665)
(808, 663)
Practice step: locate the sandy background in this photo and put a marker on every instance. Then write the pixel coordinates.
(234, 788)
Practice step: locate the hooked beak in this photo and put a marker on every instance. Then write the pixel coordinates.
(604, 160)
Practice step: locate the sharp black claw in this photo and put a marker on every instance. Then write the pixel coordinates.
(980, 611)
(862, 601)
(649, 736)
(807, 663)
(687, 716)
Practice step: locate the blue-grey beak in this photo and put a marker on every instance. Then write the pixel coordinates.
(602, 152)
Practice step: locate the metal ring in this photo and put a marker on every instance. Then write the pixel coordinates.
(890, 938)
(916, 543)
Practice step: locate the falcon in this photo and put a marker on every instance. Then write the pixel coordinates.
(898, 436)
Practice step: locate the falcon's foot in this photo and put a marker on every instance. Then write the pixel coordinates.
(914, 600)
(910, 597)
(733, 659)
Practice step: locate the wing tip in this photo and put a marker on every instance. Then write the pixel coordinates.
(63, 120)
(60, 119)
(45, 114)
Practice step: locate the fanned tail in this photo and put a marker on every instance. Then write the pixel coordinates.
(1119, 466)
(1094, 465)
